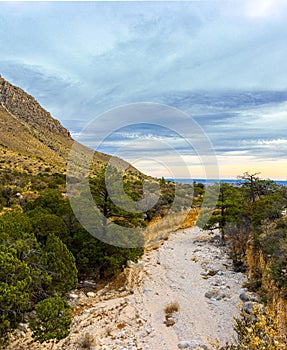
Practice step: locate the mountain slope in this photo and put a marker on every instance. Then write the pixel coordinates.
(30, 139)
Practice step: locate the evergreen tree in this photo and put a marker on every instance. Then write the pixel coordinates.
(60, 264)
(52, 320)
(15, 290)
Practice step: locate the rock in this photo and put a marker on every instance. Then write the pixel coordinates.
(247, 307)
(229, 273)
(91, 294)
(191, 344)
(214, 294)
(88, 284)
(247, 296)
(137, 265)
(130, 263)
(23, 327)
(169, 321)
(184, 344)
(73, 296)
(21, 334)
(253, 297)
(244, 297)
(212, 272)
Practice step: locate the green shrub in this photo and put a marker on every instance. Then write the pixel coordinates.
(52, 320)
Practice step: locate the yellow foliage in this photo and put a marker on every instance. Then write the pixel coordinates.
(258, 330)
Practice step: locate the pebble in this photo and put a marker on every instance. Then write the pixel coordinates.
(23, 327)
(73, 296)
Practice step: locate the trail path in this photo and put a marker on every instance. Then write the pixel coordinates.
(187, 268)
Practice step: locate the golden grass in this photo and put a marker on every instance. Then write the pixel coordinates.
(159, 229)
(191, 218)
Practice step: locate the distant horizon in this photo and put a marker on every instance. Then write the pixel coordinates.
(220, 179)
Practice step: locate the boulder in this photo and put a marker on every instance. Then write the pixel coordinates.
(247, 307)
(215, 294)
(244, 297)
(192, 344)
(184, 344)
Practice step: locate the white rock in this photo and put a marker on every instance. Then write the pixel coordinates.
(73, 296)
(23, 327)
(184, 344)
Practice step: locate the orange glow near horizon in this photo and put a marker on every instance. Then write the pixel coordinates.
(228, 169)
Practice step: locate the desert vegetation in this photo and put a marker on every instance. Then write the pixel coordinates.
(256, 330)
(44, 250)
(252, 221)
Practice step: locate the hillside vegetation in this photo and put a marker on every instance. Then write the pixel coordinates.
(251, 217)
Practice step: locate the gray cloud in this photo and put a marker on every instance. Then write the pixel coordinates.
(223, 62)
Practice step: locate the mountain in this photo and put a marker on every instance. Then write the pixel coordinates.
(30, 139)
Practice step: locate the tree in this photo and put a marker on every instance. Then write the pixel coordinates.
(61, 266)
(45, 223)
(125, 199)
(15, 290)
(227, 208)
(52, 320)
(51, 200)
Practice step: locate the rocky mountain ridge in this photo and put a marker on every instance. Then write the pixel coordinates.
(31, 140)
(26, 109)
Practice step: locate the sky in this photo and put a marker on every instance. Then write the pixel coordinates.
(220, 66)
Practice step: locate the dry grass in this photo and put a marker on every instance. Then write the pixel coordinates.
(160, 228)
(190, 219)
(86, 341)
(171, 308)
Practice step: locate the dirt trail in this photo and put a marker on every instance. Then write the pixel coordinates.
(187, 268)
(181, 271)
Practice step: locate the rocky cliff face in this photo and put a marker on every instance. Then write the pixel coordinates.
(258, 270)
(28, 110)
(30, 139)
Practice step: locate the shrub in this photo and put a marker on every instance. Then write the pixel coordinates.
(171, 308)
(86, 341)
(52, 320)
(256, 330)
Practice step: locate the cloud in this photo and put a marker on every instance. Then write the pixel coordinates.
(264, 8)
(223, 62)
